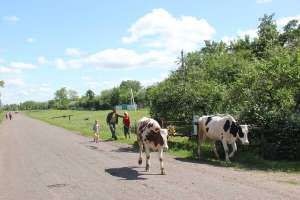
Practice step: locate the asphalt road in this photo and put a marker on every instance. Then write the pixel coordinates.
(40, 161)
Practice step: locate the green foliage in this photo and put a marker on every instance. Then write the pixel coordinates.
(255, 80)
(61, 96)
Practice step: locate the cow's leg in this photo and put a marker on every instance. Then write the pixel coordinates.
(199, 150)
(200, 139)
(147, 150)
(140, 151)
(226, 150)
(162, 169)
(234, 149)
(215, 150)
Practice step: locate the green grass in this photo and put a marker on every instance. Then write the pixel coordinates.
(183, 148)
(82, 121)
(1, 116)
(291, 182)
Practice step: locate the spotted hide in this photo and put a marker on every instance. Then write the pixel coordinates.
(222, 128)
(153, 138)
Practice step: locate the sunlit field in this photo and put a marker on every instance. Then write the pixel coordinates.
(82, 121)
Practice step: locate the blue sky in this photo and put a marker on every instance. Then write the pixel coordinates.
(92, 44)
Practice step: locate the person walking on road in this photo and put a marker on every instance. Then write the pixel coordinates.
(10, 116)
(112, 121)
(96, 129)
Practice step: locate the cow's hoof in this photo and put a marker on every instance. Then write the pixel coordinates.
(163, 172)
(140, 161)
(147, 168)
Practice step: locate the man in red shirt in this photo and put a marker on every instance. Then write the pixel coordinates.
(126, 123)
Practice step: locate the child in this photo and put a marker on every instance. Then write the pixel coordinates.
(96, 129)
(126, 123)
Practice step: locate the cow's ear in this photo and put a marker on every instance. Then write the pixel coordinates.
(233, 129)
(240, 132)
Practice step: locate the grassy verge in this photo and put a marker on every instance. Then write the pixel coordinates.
(82, 121)
(182, 147)
(1, 116)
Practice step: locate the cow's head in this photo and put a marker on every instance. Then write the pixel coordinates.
(243, 134)
(164, 135)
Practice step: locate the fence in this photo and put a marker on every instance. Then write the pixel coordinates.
(277, 144)
(126, 107)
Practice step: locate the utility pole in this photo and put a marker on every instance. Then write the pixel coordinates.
(132, 99)
(184, 71)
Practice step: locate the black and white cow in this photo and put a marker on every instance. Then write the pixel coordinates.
(222, 128)
(151, 137)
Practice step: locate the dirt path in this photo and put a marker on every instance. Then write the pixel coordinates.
(40, 161)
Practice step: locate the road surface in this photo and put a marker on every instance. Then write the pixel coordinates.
(40, 161)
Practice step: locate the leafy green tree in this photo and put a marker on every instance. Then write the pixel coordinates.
(61, 96)
(73, 95)
(125, 90)
(90, 94)
(267, 36)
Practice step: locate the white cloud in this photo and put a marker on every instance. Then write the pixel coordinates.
(11, 19)
(154, 80)
(30, 40)
(73, 52)
(41, 60)
(16, 67)
(60, 63)
(22, 66)
(4, 70)
(119, 59)
(283, 21)
(86, 78)
(252, 33)
(159, 29)
(263, 1)
(2, 60)
(16, 91)
(14, 82)
(125, 58)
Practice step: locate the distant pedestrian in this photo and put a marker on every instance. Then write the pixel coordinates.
(10, 116)
(6, 115)
(112, 120)
(126, 123)
(96, 129)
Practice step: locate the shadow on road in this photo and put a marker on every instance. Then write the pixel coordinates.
(125, 150)
(216, 163)
(126, 173)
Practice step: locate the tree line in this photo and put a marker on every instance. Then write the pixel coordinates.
(69, 99)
